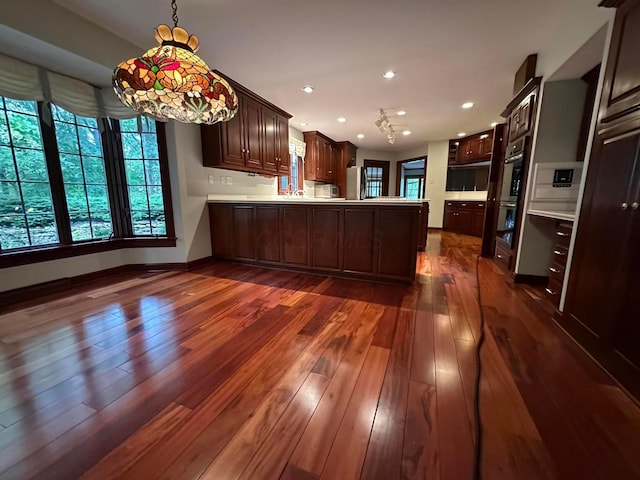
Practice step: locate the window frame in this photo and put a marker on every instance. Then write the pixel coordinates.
(122, 236)
(384, 165)
(300, 166)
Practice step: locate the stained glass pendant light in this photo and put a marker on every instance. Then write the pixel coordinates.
(171, 82)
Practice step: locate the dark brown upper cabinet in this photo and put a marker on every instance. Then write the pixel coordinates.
(621, 92)
(320, 159)
(255, 140)
(471, 149)
(520, 119)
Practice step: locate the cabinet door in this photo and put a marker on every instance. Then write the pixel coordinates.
(359, 232)
(621, 92)
(325, 238)
(465, 215)
(221, 227)
(268, 233)
(243, 232)
(525, 116)
(253, 133)
(463, 151)
(394, 227)
(450, 217)
(514, 124)
(295, 228)
(596, 296)
(474, 152)
(284, 162)
(486, 146)
(270, 142)
(233, 138)
(477, 222)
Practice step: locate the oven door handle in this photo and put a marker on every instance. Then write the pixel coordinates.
(508, 204)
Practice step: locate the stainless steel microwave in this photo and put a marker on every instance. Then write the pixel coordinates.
(326, 190)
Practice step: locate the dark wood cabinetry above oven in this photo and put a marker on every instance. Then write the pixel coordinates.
(471, 149)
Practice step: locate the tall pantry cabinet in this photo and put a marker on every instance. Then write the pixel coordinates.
(602, 307)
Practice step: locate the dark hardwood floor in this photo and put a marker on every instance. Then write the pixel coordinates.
(235, 372)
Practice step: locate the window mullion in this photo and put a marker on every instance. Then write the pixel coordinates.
(56, 181)
(114, 185)
(120, 183)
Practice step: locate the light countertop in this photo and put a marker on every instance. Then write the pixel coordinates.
(283, 199)
(549, 214)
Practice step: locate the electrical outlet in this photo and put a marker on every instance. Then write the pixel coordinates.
(229, 181)
(211, 179)
(222, 180)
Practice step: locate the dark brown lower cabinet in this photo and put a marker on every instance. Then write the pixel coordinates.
(464, 217)
(377, 242)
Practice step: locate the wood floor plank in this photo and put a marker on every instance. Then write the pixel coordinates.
(350, 444)
(315, 445)
(454, 431)
(420, 454)
(384, 454)
(271, 459)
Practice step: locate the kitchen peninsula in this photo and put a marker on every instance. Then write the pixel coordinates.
(374, 239)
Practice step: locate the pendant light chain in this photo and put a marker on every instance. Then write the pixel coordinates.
(175, 12)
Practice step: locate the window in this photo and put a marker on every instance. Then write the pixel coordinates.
(76, 185)
(26, 205)
(414, 187)
(83, 174)
(295, 181)
(377, 178)
(144, 182)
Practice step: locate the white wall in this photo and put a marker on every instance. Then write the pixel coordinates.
(437, 163)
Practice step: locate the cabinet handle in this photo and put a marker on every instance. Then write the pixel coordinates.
(464, 204)
(559, 253)
(634, 206)
(481, 204)
(624, 205)
(550, 292)
(554, 270)
(247, 150)
(244, 151)
(499, 256)
(562, 234)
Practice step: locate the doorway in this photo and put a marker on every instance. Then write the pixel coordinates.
(411, 178)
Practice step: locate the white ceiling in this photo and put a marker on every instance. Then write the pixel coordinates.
(446, 52)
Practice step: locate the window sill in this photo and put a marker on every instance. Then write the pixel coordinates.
(55, 252)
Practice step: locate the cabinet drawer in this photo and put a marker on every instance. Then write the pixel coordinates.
(556, 272)
(563, 235)
(553, 291)
(560, 255)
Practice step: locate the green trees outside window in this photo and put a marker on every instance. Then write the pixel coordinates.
(75, 179)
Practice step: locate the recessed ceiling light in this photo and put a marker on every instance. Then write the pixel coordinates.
(342, 120)
(360, 136)
(400, 113)
(461, 134)
(303, 124)
(389, 74)
(494, 124)
(467, 105)
(308, 89)
(406, 132)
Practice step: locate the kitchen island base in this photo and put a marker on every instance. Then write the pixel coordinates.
(365, 241)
